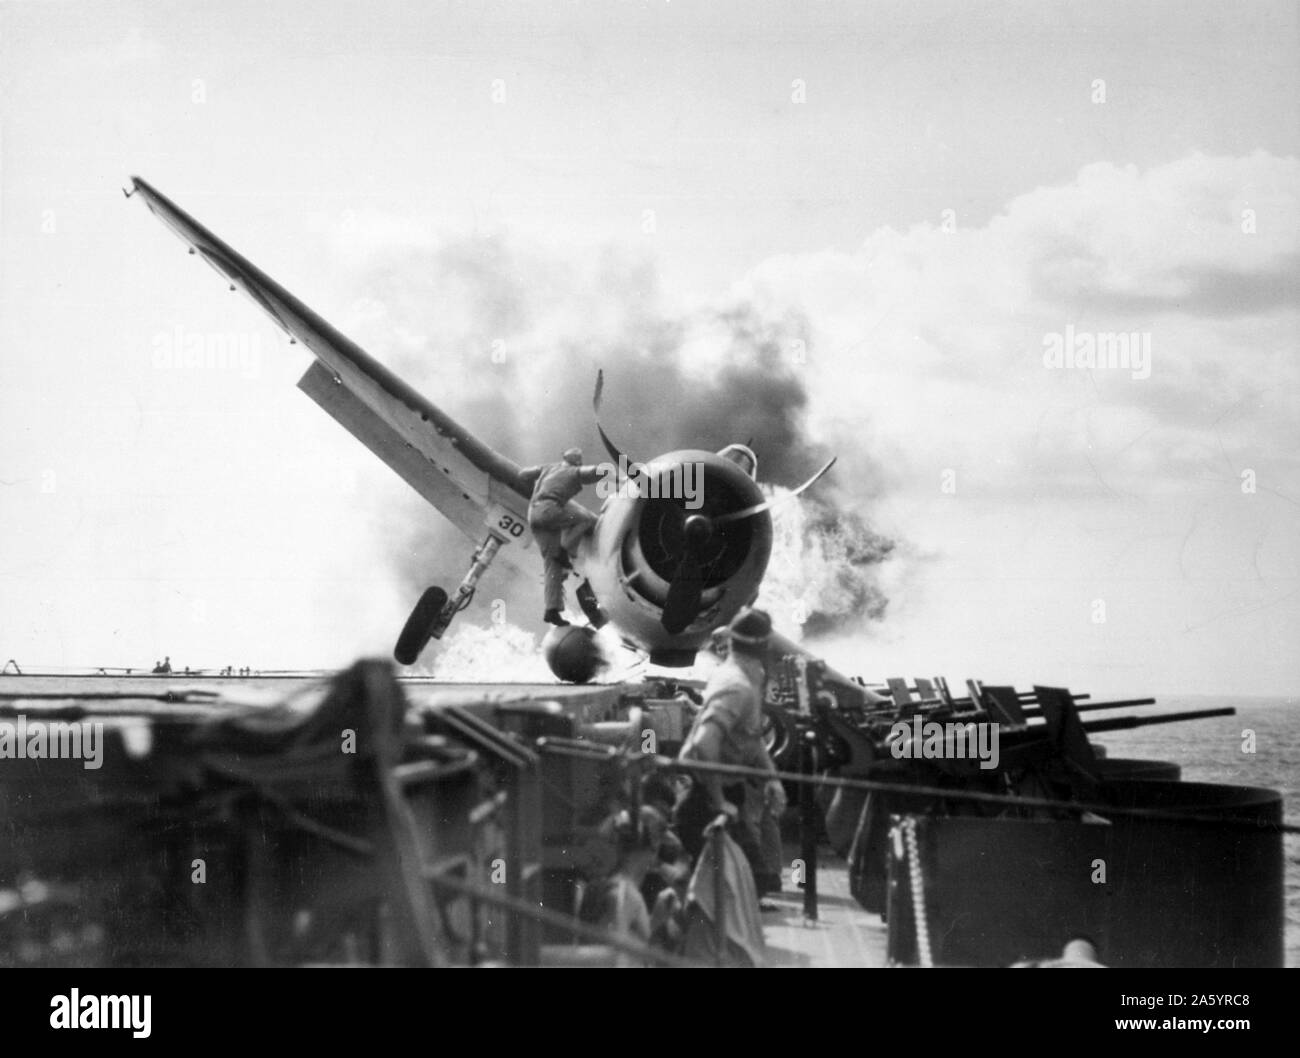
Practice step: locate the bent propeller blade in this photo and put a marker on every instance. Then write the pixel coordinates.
(610, 447)
(758, 508)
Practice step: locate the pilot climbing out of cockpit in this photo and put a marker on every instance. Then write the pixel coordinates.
(558, 524)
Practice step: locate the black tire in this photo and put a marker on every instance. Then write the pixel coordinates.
(415, 633)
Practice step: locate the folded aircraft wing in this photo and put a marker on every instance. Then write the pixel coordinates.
(474, 487)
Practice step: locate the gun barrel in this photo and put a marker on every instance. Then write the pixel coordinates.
(1124, 723)
(1092, 707)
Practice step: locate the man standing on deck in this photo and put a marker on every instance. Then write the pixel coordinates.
(552, 518)
(729, 730)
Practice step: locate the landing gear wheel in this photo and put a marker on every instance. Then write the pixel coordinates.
(415, 633)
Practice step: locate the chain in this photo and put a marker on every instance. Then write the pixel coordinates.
(918, 893)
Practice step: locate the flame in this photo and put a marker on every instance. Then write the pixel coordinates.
(822, 576)
(502, 653)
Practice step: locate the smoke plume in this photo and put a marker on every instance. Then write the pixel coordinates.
(508, 341)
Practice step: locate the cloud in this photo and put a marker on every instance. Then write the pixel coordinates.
(1202, 235)
(939, 334)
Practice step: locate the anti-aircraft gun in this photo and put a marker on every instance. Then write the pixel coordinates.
(946, 806)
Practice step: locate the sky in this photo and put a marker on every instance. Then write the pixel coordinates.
(932, 196)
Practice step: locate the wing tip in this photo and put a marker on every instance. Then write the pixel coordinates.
(139, 183)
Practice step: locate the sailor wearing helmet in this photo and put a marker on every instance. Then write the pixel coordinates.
(729, 730)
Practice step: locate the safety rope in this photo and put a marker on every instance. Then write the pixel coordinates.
(577, 748)
(917, 879)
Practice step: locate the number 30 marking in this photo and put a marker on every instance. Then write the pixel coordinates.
(506, 525)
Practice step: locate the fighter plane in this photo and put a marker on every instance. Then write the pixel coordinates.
(663, 570)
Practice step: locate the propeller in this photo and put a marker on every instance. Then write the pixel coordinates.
(686, 588)
(758, 508)
(610, 447)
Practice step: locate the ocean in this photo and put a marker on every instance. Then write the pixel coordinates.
(1211, 751)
